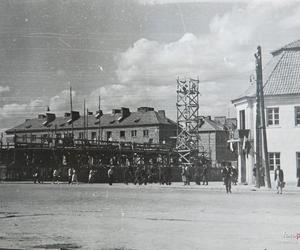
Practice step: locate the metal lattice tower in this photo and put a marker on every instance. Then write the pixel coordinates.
(187, 119)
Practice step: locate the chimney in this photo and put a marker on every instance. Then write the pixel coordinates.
(220, 120)
(162, 113)
(41, 116)
(99, 113)
(50, 117)
(145, 109)
(116, 111)
(125, 112)
(75, 115)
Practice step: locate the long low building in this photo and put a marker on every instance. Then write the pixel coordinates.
(142, 126)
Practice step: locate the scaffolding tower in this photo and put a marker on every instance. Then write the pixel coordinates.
(187, 144)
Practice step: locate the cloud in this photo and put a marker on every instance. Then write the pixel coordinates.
(4, 89)
(223, 56)
(153, 2)
(60, 103)
(22, 110)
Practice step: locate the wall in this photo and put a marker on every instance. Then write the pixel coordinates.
(222, 151)
(283, 138)
(208, 142)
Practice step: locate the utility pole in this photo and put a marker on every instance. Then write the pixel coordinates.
(259, 80)
(71, 104)
(99, 110)
(258, 123)
(87, 124)
(84, 120)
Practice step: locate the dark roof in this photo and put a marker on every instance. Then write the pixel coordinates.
(107, 120)
(210, 125)
(281, 75)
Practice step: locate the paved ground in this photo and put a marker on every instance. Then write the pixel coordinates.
(97, 216)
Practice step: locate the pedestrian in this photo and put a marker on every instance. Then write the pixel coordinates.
(279, 179)
(70, 173)
(205, 175)
(227, 172)
(197, 175)
(188, 174)
(234, 175)
(91, 176)
(74, 177)
(110, 174)
(55, 176)
(298, 176)
(183, 175)
(35, 176)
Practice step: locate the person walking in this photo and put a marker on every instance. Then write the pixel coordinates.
(183, 174)
(70, 173)
(205, 175)
(91, 176)
(74, 177)
(279, 178)
(227, 178)
(55, 176)
(110, 174)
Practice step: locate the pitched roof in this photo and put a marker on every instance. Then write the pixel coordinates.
(210, 125)
(107, 120)
(281, 75)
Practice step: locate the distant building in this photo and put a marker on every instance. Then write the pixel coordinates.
(281, 78)
(143, 126)
(214, 135)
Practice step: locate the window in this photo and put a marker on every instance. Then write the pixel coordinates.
(44, 137)
(108, 136)
(33, 137)
(122, 133)
(297, 115)
(274, 160)
(133, 133)
(242, 119)
(273, 116)
(24, 137)
(93, 135)
(146, 133)
(80, 136)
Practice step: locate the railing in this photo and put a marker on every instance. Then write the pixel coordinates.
(69, 142)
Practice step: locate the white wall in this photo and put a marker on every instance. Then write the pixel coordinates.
(283, 138)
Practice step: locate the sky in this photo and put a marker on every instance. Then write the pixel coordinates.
(130, 52)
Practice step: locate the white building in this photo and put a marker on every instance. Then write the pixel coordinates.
(281, 78)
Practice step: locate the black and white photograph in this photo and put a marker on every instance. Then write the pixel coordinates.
(149, 124)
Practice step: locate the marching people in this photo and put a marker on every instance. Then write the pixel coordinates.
(227, 173)
(279, 179)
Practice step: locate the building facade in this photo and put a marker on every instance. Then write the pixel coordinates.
(142, 126)
(281, 79)
(214, 135)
